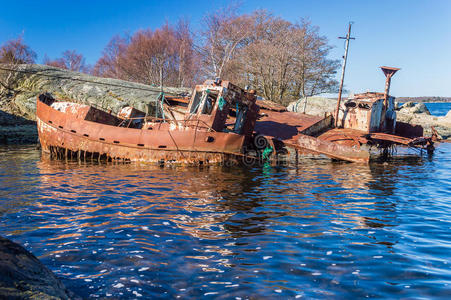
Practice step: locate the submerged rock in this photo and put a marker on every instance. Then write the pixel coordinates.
(23, 276)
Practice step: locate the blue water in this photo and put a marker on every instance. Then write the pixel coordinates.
(438, 108)
(319, 230)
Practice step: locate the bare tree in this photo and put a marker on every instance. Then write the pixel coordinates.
(315, 72)
(158, 57)
(151, 56)
(70, 60)
(268, 59)
(111, 62)
(12, 54)
(54, 63)
(187, 67)
(282, 60)
(16, 52)
(165, 52)
(285, 61)
(225, 32)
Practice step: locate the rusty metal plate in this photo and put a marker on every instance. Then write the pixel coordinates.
(285, 126)
(333, 150)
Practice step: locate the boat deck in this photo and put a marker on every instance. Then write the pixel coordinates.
(288, 126)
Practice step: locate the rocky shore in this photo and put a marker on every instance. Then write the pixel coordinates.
(23, 276)
(18, 104)
(26, 82)
(420, 115)
(17, 130)
(408, 112)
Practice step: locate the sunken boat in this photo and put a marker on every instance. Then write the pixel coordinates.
(179, 130)
(222, 123)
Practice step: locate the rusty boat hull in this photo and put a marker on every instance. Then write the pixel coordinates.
(67, 133)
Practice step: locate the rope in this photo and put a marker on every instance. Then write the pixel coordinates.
(221, 103)
(298, 102)
(267, 153)
(161, 105)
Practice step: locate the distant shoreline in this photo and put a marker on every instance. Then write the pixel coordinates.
(424, 99)
(416, 101)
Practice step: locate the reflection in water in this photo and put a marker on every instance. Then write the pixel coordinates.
(319, 229)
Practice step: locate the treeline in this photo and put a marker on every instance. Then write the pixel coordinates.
(423, 99)
(280, 59)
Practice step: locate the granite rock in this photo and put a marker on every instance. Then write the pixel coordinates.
(316, 106)
(411, 108)
(23, 276)
(18, 105)
(31, 80)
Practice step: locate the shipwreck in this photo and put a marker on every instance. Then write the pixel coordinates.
(223, 123)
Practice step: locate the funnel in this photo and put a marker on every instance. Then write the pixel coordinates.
(388, 72)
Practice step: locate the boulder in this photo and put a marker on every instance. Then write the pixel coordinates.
(411, 108)
(441, 124)
(448, 116)
(31, 80)
(17, 130)
(23, 276)
(408, 104)
(316, 106)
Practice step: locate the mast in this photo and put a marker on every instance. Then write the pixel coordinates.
(345, 57)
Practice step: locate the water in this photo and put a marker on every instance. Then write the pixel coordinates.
(438, 108)
(322, 230)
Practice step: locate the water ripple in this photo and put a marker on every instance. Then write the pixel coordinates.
(319, 230)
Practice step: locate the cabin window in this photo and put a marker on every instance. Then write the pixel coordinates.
(205, 101)
(364, 106)
(209, 103)
(350, 104)
(196, 102)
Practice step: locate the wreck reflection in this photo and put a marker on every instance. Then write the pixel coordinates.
(229, 207)
(205, 202)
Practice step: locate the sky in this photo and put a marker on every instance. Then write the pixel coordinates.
(412, 35)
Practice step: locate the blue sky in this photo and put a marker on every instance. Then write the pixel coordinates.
(412, 35)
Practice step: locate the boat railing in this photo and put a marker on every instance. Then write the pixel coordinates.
(126, 122)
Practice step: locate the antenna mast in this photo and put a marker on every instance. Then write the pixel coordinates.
(347, 38)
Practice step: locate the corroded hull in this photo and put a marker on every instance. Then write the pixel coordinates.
(69, 135)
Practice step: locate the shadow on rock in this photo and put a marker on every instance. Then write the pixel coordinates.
(23, 276)
(17, 130)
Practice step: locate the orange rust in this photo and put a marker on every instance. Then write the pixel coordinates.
(220, 123)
